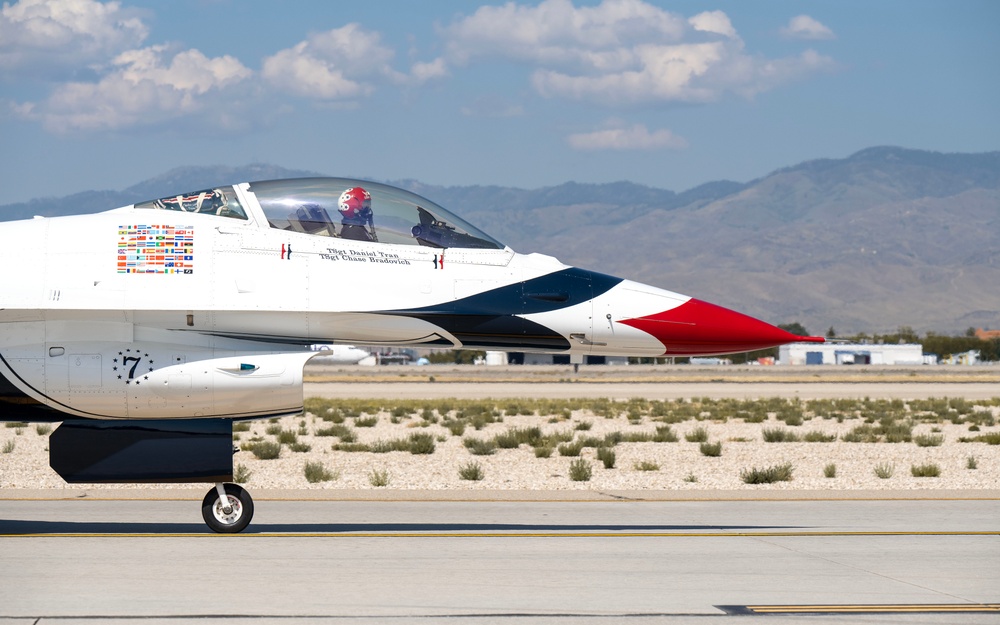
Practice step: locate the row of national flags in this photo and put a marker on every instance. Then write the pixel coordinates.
(155, 249)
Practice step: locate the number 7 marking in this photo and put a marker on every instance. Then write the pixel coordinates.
(125, 361)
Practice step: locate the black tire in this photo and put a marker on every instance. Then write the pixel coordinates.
(233, 523)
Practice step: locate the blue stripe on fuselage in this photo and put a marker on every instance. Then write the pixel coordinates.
(491, 319)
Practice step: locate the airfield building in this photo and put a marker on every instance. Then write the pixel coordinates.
(851, 354)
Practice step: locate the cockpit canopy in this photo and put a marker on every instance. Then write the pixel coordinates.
(339, 208)
(220, 201)
(367, 211)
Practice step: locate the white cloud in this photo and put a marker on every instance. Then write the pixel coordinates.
(713, 22)
(622, 52)
(341, 64)
(556, 32)
(638, 137)
(805, 27)
(51, 35)
(422, 72)
(143, 89)
(301, 73)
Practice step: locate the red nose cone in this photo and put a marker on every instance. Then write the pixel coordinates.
(697, 328)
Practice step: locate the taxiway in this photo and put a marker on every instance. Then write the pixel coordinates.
(928, 561)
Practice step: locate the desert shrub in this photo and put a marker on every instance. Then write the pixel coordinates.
(457, 428)
(378, 477)
(273, 429)
(421, 443)
(514, 437)
(925, 470)
(990, 438)
(551, 440)
(580, 470)
(768, 475)
(241, 426)
(607, 456)
(570, 449)
(664, 434)
(697, 435)
(479, 446)
(636, 437)
(241, 474)
(344, 432)
(815, 436)
(928, 440)
(711, 449)
(612, 438)
(863, 433)
(646, 465)
(791, 417)
(43, 429)
(471, 471)
(265, 450)
(9, 446)
(287, 437)
(515, 407)
(779, 435)
(385, 446)
(543, 452)
(971, 463)
(884, 470)
(898, 431)
(830, 470)
(350, 447)
(366, 422)
(317, 472)
(300, 447)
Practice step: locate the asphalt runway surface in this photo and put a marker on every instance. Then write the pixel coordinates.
(653, 391)
(153, 561)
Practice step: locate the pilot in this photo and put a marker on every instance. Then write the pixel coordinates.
(356, 208)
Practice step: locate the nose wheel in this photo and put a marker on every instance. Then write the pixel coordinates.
(227, 508)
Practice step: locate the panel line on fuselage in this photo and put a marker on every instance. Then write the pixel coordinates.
(69, 409)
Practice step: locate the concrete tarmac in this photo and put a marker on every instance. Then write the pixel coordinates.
(503, 562)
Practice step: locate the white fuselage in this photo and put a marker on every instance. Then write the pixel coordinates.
(95, 323)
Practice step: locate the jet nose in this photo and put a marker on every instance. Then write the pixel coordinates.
(697, 328)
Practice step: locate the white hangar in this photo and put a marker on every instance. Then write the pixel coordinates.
(850, 354)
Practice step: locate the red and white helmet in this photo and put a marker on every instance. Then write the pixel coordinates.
(355, 203)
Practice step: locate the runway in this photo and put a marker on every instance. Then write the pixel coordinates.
(503, 562)
(653, 391)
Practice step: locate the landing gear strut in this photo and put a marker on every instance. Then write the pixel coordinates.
(227, 508)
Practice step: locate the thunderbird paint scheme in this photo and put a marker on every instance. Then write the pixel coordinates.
(146, 330)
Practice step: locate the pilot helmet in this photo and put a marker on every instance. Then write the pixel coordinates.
(355, 205)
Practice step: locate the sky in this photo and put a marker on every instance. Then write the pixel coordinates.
(102, 95)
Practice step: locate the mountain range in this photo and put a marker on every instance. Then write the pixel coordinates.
(884, 238)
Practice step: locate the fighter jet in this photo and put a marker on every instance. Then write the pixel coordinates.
(148, 329)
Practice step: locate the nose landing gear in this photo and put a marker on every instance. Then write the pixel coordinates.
(227, 508)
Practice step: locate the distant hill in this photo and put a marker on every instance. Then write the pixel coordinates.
(884, 238)
(174, 181)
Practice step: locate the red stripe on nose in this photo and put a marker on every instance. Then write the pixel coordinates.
(698, 328)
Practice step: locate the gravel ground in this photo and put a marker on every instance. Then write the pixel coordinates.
(681, 466)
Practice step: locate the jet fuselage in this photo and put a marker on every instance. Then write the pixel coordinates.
(204, 304)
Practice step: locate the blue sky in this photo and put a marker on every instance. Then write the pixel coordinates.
(101, 95)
